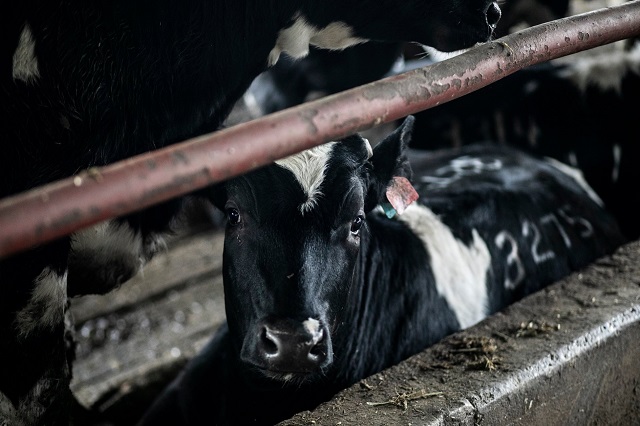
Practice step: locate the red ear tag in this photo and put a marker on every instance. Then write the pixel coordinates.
(401, 194)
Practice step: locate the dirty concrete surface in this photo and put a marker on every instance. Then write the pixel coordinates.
(564, 356)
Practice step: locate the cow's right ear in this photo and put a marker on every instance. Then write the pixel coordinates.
(390, 165)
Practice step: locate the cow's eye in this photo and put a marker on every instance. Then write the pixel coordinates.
(357, 224)
(233, 215)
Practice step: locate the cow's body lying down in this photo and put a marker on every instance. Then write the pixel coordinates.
(596, 132)
(86, 83)
(322, 289)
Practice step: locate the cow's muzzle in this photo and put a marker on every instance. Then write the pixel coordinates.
(286, 346)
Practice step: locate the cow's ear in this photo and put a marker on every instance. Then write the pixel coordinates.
(389, 163)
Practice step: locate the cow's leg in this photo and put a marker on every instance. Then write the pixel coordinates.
(36, 354)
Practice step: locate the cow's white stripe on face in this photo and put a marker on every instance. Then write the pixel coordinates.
(460, 271)
(295, 40)
(46, 306)
(577, 175)
(309, 168)
(25, 63)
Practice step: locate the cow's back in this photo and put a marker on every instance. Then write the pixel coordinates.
(538, 218)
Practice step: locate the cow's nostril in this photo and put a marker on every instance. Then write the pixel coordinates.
(269, 342)
(493, 14)
(318, 348)
(318, 352)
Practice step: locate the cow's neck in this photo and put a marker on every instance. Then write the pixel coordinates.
(382, 308)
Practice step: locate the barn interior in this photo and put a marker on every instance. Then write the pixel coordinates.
(567, 352)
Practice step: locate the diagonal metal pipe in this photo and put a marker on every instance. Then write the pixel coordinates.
(59, 208)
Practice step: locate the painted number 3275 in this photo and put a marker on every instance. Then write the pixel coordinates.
(532, 235)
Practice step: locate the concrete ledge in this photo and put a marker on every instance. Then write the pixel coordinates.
(568, 355)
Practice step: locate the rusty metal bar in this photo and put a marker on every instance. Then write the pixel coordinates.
(62, 207)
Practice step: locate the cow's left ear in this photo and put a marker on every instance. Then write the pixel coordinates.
(389, 161)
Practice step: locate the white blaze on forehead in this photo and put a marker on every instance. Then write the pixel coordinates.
(25, 63)
(309, 168)
(460, 271)
(578, 177)
(313, 328)
(295, 40)
(46, 306)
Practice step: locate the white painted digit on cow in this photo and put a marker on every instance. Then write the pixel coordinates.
(530, 229)
(551, 218)
(576, 220)
(513, 259)
(461, 167)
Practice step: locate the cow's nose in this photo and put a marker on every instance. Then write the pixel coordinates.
(291, 347)
(493, 14)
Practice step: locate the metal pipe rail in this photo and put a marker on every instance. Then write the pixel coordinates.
(59, 208)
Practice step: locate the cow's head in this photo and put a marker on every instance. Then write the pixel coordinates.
(445, 25)
(292, 242)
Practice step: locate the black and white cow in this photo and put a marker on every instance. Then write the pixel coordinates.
(324, 72)
(323, 289)
(582, 113)
(86, 83)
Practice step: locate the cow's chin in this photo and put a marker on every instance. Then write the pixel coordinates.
(291, 378)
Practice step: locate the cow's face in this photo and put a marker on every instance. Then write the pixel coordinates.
(292, 240)
(445, 25)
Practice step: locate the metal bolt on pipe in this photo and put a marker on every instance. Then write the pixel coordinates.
(57, 209)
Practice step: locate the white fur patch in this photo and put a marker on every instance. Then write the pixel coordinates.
(254, 108)
(604, 71)
(439, 56)
(313, 328)
(460, 271)
(309, 168)
(295, 40)
(577, 175)
(367, 145)
(47, 304)
(8, 413)
(25, 63)
(108, 239)
(335, 36)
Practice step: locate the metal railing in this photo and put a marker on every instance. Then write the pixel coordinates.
(59, 208)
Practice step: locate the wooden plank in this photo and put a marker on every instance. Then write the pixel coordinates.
(184, 260)
(137, 337)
